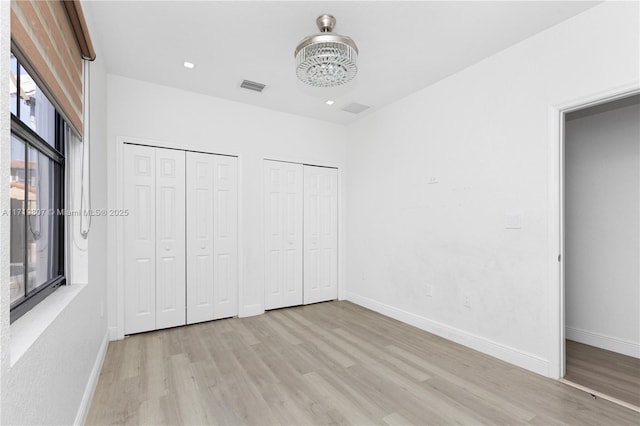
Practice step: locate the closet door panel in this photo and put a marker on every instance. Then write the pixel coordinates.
(320, 234)
(283, 203)
(170, 238)
(225, 236)
(200, 244)
(140, 235)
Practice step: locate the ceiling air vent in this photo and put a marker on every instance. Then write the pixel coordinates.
(355, 108)
(252, 85)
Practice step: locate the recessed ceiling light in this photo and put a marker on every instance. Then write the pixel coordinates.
(188, 65)
(329, 102)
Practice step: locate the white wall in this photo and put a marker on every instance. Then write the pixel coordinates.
(175, 118)
(602, 230)
(98, 268)
(51, 381)
(483, 134)
(5, 175)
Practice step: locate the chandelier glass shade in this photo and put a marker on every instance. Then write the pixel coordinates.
(326, 59)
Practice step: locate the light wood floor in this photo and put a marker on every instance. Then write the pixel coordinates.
(608, 372)
(329, 363)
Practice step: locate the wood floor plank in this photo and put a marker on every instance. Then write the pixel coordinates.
(327, 363)
(186, 391)
(349, 390)
(486, 394)
(353, 413)
(395, 419)
(158, 411)
(390, 360)
(327, 346)
(608, 372)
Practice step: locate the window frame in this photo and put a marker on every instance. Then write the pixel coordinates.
(56, 154)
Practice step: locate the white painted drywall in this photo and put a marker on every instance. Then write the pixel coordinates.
(434, 178)
(175, 118)
(5, 175)
(602, 230)
(98, 267)
(51, 381)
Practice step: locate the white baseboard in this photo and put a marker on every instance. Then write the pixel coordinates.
(85, 404)
(505, 353)
(251, 310)
(603, 341)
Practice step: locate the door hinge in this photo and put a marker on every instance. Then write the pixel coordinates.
(559, 257)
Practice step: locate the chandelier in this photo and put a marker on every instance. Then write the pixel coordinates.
(326, 59)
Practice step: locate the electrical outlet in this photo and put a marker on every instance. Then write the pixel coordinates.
(432, 180)
(364, 276)
(467, 300)
(428, 290)
(513, 221)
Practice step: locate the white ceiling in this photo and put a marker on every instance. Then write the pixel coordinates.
(404, 46)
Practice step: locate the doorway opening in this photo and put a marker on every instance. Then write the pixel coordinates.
(600, 246)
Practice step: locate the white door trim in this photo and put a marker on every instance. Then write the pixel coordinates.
(556, 214)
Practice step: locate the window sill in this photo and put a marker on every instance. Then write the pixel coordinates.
(28, 328)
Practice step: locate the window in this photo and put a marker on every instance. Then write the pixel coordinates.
(36, 192)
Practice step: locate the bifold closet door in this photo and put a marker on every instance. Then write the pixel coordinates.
(212, 237)
(154, 258)
(200, 237)
(140, 239)
(225, 234)
(170, 238)
(320, 234)
(283, 203)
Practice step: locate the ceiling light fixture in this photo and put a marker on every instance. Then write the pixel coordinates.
(326, 59)
(329, 102)
(189, 65)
